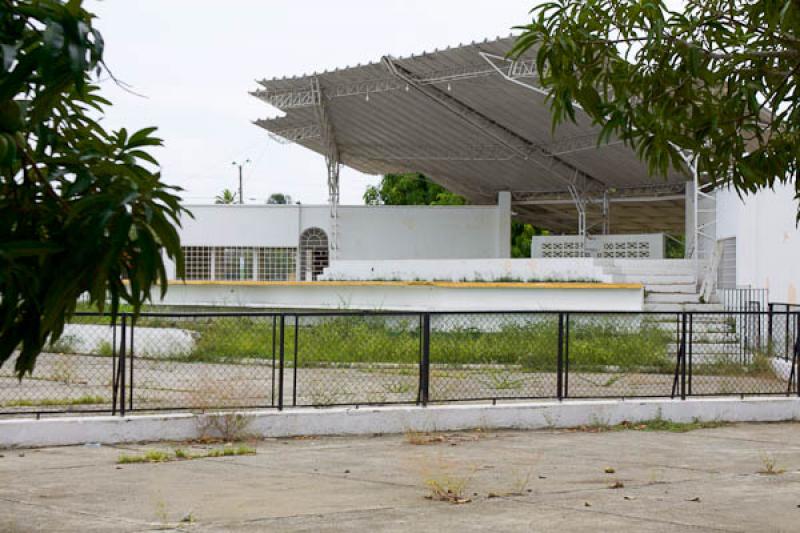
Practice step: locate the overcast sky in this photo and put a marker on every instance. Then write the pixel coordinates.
(195, 61)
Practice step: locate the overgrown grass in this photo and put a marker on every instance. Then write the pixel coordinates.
(531, 346)
(528, 343)
(179, 454)
(44, 402)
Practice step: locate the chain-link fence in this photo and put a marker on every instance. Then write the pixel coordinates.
(170, 361)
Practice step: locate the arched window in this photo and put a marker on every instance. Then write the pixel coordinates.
(313, 253)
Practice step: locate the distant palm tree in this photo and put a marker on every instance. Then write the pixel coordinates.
(226, 197)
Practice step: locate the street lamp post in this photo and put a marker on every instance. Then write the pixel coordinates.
(240, 165)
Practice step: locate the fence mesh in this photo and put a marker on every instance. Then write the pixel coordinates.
(209, 361)
(203, 362)
(493, 356)
(621, 355)
(72, 374)
(352, 359)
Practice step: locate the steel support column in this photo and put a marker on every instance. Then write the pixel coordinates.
(332, 162)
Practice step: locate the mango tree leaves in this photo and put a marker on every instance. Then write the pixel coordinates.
(82, 210)
(718, 79)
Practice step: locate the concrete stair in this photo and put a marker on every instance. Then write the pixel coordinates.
(714, 337)
(670, 285)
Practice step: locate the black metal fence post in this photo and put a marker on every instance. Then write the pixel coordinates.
(114, 372)
(121, 364)
(796, 357)
(294, 364)
(679, 379)
(425, 363)
(769, 329)
(274, 344)
(566, 355)
(560, 359)
(786, 342)
(689, 345)
(130, 359)
(281, 352)
(683, 357)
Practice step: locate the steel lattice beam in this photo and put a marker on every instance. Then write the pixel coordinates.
(655, 193)
(306, 97)
(290, 135)
(515, 142)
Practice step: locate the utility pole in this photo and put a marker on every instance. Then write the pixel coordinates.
(240, 165)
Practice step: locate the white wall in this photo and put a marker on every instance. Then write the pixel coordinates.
(767, 239)
(420, 232)
(242, 225)
(364, 232)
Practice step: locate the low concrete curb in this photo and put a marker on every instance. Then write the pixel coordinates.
(395, 419)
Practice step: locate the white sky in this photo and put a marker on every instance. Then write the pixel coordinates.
(195, 61)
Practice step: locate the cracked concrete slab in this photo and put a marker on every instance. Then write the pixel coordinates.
(704, 480)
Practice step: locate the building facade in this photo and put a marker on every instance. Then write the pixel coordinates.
(297, 242)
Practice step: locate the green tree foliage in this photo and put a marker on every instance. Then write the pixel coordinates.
(417, 189)
(521, 235)
(279, 198)
(410, 189)
(227, 196)
(82, 209)
(718, 79)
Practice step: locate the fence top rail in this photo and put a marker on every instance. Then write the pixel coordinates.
(367, 313)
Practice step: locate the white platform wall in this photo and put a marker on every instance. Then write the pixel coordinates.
(550, 269)
(397, 296)
(767, 239)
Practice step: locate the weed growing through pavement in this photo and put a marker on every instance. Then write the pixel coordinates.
(151, 456)
(447, 488)
(656, 424)
(179, 454)
(769, 465)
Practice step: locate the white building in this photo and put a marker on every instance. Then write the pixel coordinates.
(293, 242)
(478, 124)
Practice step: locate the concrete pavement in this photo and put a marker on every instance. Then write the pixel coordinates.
(704, 480)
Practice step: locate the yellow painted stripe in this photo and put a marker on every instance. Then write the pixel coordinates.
(444, 284)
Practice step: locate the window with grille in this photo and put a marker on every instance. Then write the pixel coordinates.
(240, 263)
(277, 264)
(197, 261)
(233, 263)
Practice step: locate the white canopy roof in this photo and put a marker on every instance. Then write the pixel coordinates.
(476, 123)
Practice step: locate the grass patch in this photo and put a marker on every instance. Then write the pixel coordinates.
(151, 456)
(657, 424)
(179, 454)
(230, 451)
(47, 402)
